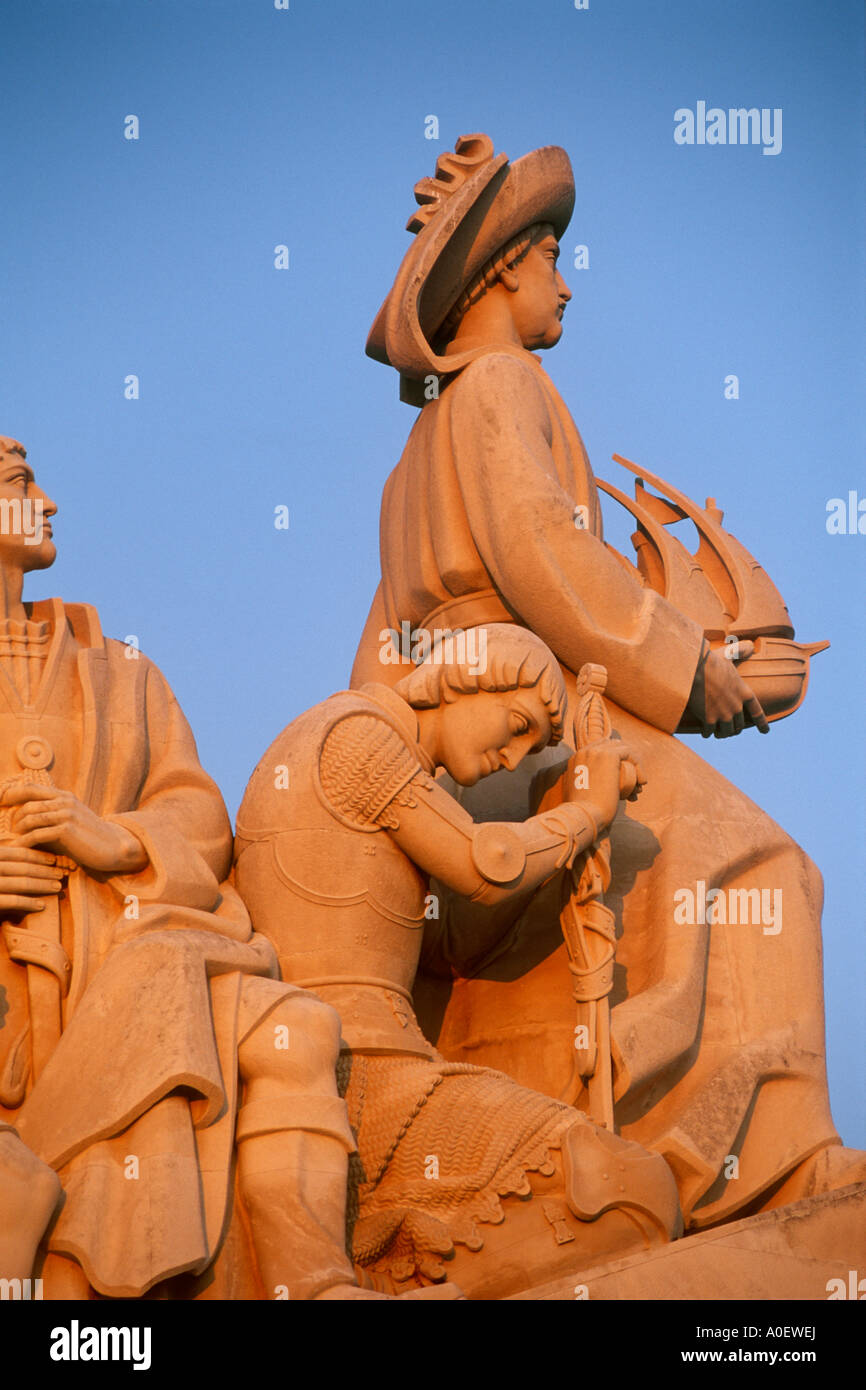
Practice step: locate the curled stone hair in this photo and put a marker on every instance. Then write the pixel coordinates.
(515, 659)
(508, 256)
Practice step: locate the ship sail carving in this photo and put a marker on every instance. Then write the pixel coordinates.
(722, 587)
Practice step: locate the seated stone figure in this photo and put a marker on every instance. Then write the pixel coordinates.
(340, 829)
(492, 514)
(143, 1031)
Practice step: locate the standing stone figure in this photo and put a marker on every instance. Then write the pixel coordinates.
(492, 515)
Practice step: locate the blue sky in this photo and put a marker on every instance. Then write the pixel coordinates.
(306, 127)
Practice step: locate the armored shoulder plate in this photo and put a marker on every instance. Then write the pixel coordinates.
(364, 763)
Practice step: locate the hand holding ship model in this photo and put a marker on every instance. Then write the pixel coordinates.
(724, 589)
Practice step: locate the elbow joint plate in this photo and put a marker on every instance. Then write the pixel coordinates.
(498, 853)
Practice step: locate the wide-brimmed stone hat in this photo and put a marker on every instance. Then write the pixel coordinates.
(476, 202)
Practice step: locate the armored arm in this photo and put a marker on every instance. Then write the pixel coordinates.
(493, 862)
(371, 778)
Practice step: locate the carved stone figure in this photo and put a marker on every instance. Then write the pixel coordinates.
(339, 830)
(143, 1031)
(492, 515)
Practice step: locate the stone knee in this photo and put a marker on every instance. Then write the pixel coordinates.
(296, 1043)
(287, 1062)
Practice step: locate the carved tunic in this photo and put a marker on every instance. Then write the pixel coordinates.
(478, 525)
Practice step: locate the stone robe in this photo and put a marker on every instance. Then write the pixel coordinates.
(718, 1030)
(126, 1082)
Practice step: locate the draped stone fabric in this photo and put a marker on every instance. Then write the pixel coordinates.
(144, 1062)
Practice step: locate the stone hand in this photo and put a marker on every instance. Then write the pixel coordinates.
(721, 701)
(27, 877)
(612, 770)
(59, 821)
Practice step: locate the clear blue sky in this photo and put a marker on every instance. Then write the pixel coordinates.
(306, 127)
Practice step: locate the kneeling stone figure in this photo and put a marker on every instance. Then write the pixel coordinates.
(460, 1172)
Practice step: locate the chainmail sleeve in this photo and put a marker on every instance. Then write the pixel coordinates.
(365, 766)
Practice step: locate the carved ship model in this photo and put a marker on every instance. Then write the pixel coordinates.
(722, 587)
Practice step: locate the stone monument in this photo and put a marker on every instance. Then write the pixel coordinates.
(711, 925)
(500, 986)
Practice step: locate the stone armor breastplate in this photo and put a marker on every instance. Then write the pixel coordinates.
(322, 878)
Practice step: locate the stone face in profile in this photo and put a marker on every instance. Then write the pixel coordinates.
(334, 861)
(492, 515)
